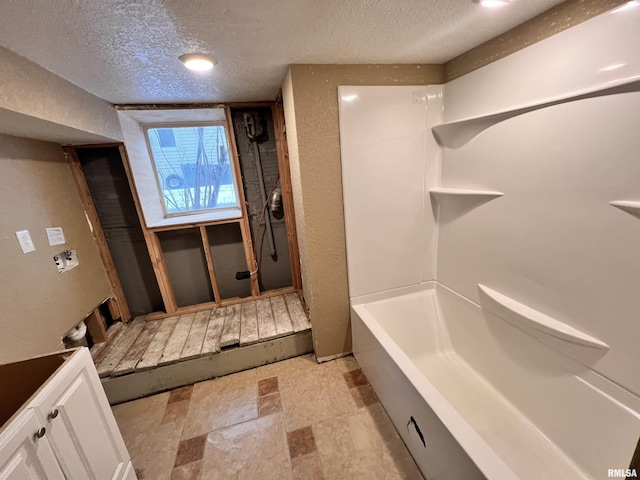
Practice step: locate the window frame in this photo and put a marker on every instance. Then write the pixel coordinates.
(142, 166)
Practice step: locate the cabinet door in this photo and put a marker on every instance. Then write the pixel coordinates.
(23, 456)
(84, 434)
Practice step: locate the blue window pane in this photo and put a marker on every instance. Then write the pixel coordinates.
(193, 168)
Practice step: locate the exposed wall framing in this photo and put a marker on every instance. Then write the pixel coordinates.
(287, 192)
(259, 163)
(118, 307)
(210, 243)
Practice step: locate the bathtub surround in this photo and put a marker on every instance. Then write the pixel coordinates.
(311, 113)
(309, 94)
(495, 301)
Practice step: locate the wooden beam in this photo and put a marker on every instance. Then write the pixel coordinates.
(114, 309)
(95, 325)
(192, 106)
(223, 303)
(244, 224)
(97, 145)
(162, 273)
(121, 309)
(194, 225)
(153, 245)
(209, 260)
(166, 106)
(279, 127)
(264, 104)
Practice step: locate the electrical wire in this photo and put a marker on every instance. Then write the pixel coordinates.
(255, 239)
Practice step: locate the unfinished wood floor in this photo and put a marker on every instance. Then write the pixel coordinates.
(142, 345)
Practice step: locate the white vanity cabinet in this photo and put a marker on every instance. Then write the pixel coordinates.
(58, 423)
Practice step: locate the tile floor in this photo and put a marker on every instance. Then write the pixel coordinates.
(288, 420)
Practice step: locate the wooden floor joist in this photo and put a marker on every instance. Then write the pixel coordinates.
(144, 345)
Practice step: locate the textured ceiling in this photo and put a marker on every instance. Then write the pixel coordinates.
(126, 51)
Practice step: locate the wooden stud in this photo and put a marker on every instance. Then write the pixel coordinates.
(183, 226)
(244, 224)
(153, 245)
(121, 310)
(96, 145)
(95, 325)
(166, 106)
(162, 273)
(114, 309)
(191, 106)
(279, 127)
(239, 105)
(209, 260)
(278, 291)
(223, 303)
(152, 355)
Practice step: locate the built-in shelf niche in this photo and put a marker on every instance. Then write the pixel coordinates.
(531, 320)
(629, 206)
(462, 196)
(458, 133)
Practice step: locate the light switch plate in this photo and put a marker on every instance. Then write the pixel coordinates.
(24, 239)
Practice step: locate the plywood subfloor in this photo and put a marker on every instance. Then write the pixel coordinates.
(146, 345)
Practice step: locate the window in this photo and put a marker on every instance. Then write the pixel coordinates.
(192, 168)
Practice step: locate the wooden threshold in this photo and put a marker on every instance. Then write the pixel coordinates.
(149, 344)
(147, 382)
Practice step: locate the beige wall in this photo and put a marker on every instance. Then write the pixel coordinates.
(38, 304)
(35, 103)
(311, 113)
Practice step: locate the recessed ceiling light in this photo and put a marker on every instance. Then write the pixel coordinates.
(493, 3)
(197, 61)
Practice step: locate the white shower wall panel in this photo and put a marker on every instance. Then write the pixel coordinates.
(552, 241)
(600, 53)
(382, 138)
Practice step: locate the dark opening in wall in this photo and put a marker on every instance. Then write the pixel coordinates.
(255, 140)
(186, 264)
(105, 175)
(227, 252)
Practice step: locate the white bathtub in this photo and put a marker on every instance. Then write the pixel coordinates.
(524, 411)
